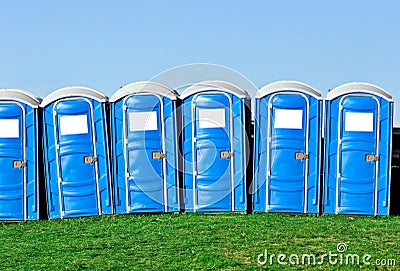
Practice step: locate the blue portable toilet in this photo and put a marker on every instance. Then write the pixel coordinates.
(358, 139)
(215, 151)
(145, 148)
(287, 144)
(76, 155)
(19, 155)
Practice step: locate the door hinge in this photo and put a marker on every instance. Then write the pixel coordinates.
(226, 154)
(90, 159)
(371, 158)
(339, 175)
(270, 105)
(60, 180)
(19, 164)
(301, 155)
(195, 173)
(337, 210)
(158, 155)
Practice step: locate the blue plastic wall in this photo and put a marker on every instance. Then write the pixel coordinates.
(357, 183)
(286, 189)
(145, 190)
(11, 179)
(78, 182)
(213, 183)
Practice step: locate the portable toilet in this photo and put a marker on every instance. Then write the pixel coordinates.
(76, 155)
(358, 135)
(215, 151)
(287, 148)
(145, 148)
(19, 155)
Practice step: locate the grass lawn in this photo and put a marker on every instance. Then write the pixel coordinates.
(194, 241)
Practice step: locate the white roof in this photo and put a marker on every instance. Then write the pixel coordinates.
(144, 87)
(20, 95)
(214, 85)
(358, 87)
(76, 91)
(287, 86)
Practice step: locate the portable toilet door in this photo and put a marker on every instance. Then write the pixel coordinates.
(216, 124)
(19, 155)
(145, 148)
(287, 144)
(358, 150)
(78, 179)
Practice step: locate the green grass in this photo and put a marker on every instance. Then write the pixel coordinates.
(192, 241)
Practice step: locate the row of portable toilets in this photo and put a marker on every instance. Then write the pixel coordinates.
(147, 149)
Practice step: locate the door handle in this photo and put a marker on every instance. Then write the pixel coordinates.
(226, 154)
(158, 155)
(301, 155)
(19, 164)
(371, 158)
(90, 159)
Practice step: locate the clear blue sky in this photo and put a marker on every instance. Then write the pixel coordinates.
(46, 45)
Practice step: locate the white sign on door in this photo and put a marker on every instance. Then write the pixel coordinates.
(9, 128)
(288, 119)
(143, 121)
(358, 122)
(73, 125)
(212, 118)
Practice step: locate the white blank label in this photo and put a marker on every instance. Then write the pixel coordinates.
(212, 118)
(288, 119)
(143, 121)
(9, 128)
(359, 122)
(73, 125)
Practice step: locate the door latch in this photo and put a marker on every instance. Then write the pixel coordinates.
(226, 154)
(301, 155)
(371, 157)
(90, 159)
(19, 164)
(158, 155)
